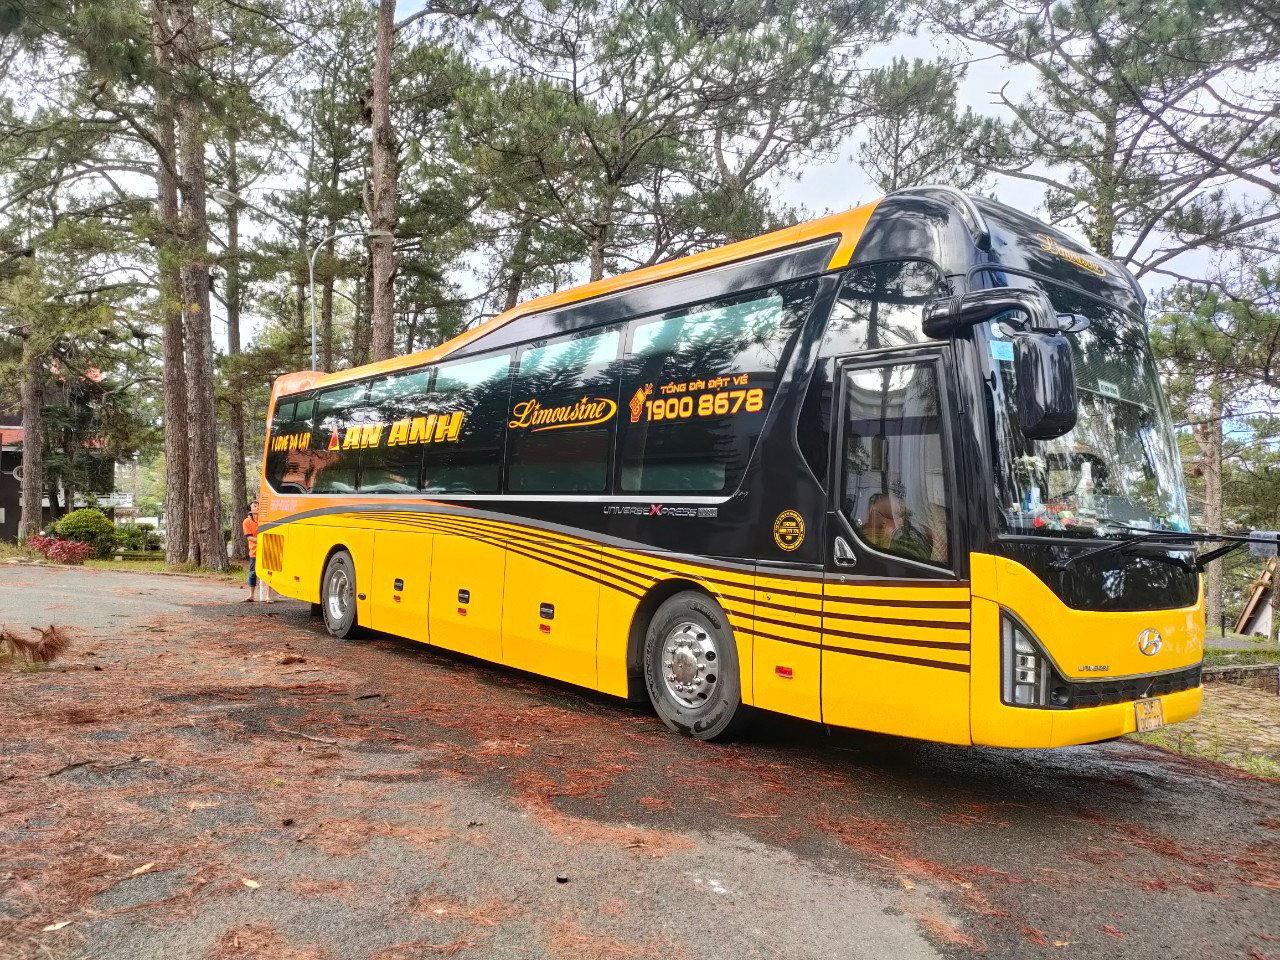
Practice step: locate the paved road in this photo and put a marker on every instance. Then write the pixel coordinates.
(207, 779)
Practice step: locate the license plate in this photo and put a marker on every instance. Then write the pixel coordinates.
(1150, 714)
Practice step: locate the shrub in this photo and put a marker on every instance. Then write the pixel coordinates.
(41, 544)
(90, 526)
(137, 536)
(70, 551)
(61, 551)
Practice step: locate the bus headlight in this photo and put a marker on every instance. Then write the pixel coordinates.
(1024, 665)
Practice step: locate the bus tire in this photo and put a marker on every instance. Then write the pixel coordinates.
(691, 668)
(338, 596)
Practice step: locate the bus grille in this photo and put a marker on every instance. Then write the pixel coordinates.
(272, 552)
(1101, 693)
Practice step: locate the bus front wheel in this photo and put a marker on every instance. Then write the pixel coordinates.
(338, 596)
(691, 668)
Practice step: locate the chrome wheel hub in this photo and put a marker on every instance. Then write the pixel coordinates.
(690, 664)
(338, 596)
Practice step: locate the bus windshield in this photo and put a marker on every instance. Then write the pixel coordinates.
(1119, 467)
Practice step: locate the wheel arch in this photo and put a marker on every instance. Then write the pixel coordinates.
(339, 547)
(657, 595)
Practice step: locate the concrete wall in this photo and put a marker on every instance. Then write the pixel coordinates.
(1261, 625)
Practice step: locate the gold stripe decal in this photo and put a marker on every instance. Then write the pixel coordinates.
(896, 607)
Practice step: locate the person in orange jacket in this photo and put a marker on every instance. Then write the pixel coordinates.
(250, 528)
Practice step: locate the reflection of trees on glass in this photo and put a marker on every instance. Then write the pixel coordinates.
(291, 467)
(477, 388)
(694, 444)
(894, 489)
(882, 305)
(335, 469)
(1120, 462)
(278, 459)
(565, 394)
(390, 468)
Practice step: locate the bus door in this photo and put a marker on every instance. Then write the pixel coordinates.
(895, 617)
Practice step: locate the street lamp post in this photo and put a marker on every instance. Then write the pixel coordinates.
(228, 199)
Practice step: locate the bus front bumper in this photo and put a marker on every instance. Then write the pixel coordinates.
(1022, 727)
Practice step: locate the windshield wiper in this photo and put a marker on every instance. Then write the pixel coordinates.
(1170, 538)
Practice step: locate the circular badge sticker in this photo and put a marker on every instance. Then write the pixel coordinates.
(788, 530)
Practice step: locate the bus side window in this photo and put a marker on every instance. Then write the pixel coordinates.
(564, 406)
(393, 465)
(471, 395)
(697, 389)
(278, 443)
(335, 447)
(881, 305)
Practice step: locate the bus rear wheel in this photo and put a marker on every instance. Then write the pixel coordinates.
(691, 669)
(338, 596)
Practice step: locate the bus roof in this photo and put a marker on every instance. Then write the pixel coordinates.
(934, 222)
(848, 225)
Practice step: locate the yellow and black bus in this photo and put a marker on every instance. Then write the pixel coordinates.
(906, 468)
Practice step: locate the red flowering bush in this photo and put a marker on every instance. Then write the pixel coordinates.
(69, 551)
(41, 544)
(61, 551)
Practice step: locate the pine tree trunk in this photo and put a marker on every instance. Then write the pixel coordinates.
(239, 484)
(360, 329)
(1209, 437)
(383, 215)
(177, 533)
(31, 517)
(300, 319)
(598, 240)
(208, 547)
(519, 265)
(1103, 233)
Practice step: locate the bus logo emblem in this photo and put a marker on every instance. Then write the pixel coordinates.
(638, 402)
(788, 530)
(1150, 642)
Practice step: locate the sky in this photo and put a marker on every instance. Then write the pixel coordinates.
(840, 183)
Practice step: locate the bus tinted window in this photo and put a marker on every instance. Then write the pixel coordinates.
(470, 404)
(893, 486)
(563, 408)
(289, 446)
(882, 305)
(393, 464)
(697, 389)
(278, 442)
(340, 420)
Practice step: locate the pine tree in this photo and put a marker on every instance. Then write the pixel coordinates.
(1140, 117)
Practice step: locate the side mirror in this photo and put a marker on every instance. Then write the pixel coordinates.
(1047, 403)
(947, 318)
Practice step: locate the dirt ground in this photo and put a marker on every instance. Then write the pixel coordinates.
(206, 779)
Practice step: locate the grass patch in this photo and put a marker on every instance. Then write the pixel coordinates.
(1217, 633)
(1240, 658)
(14, 551)
(20, 664)
(1194, 744)
(234, 575)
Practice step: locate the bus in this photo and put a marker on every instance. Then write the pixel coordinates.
(907, 468)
